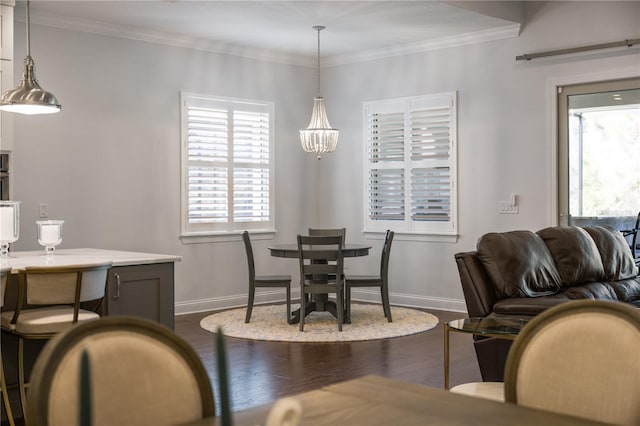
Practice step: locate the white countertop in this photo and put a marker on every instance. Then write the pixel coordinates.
(20, 259)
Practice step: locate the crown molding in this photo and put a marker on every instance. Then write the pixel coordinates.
(508, 31)
(101, 28)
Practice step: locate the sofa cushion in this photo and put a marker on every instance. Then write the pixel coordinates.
(593, 290)
(627, 290)
(614, 252)
(575, 254)
(528, 305)
(518, 264)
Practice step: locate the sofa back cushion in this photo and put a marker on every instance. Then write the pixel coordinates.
(614, 252)
(518, 264)
(575, 254)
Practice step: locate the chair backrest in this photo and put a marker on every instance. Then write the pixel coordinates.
(141, 373)
(634, 239)
(325, 232)
(320, 255)
(49, 285)
(580, 358)
(249, 250)
(386, 253)
(4, 276)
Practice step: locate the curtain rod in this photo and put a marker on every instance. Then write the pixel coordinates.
(529, 56)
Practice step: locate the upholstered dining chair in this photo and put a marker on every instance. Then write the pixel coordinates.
(283, 281)
(381, 280)
(321, 271)
(140, 373)
(53, 296)
(4, 275)
(580, 358)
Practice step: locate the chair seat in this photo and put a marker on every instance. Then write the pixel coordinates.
(272, 279)
(364, 280)
(486, 390)
(45, 321)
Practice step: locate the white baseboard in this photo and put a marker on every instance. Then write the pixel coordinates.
(411, 300)
(274, 296)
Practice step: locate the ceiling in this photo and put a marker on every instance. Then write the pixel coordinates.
(282, 30)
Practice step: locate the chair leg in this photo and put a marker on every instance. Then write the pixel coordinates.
(347, 295)
(252, 294)
(385, 303)
(5, 396)
(302, 306)
(340, 306)
(288, 304)
(21, 381)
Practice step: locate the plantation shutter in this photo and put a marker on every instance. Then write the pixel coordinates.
(411, 164)
(228, 166)
(430, 169)
(386, 173)
(251, 166)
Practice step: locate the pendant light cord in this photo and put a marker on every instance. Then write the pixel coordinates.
(318, 69)
(28, 32)
(318, 28)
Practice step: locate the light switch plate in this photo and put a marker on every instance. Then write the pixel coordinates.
(506, 207)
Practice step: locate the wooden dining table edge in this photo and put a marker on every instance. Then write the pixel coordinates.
(414, 404)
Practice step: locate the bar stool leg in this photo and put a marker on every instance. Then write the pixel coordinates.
(23, 395)
(5, 396)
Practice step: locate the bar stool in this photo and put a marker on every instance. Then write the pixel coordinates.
(4, 275)
(61, 290)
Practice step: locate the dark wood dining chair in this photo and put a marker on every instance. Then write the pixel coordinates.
(324, 232)
(634, 243)
(320, 257)
(381, 280)
(263, 280)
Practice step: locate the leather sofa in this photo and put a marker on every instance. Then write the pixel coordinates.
(522, 273)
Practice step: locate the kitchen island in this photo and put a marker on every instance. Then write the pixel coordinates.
(138, 284)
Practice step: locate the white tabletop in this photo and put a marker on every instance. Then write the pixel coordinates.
(20, 259)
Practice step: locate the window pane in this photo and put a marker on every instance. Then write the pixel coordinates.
(431, 194)
(208, 200)
(250, 195)
(207, 134)
(604, 154)
(386, 199)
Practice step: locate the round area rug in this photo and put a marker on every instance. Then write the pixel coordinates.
(367, 323)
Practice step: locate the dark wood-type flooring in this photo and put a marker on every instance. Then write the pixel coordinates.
(262, 372)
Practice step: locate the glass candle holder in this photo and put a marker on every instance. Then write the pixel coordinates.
(9, 225)
(49, 234)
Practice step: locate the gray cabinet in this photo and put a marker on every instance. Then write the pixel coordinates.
(142, 290)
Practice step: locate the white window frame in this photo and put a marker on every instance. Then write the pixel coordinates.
(214, 231)
(435, 230)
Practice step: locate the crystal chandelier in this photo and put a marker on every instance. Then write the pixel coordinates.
(29, 97)
(319, 137)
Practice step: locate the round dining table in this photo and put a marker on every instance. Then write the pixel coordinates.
(318, 302)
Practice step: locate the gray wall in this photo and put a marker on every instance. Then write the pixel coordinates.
(109, 164)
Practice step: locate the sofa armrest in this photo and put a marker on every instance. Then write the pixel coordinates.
(479, 294)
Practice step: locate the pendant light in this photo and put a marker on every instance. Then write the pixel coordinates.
(319, 137)
(29, 97)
